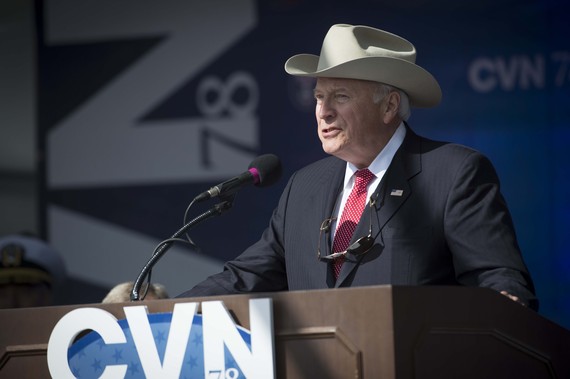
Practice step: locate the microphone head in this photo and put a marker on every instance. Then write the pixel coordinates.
(265, 169)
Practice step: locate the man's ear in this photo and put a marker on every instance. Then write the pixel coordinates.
(392, 106)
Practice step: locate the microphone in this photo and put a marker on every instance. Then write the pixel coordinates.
(262, 171)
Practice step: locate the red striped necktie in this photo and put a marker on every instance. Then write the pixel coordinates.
(350, 216)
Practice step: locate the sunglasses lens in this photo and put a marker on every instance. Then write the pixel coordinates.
(361, 246)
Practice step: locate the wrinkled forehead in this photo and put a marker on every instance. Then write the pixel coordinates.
(324, 84)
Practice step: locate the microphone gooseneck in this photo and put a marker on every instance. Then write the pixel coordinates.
(263, 171)
(218, 209)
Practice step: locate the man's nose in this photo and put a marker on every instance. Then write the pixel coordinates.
(326, 110)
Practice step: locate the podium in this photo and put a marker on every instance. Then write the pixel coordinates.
(367, 332)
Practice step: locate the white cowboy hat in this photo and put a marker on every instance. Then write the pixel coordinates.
(365, 53)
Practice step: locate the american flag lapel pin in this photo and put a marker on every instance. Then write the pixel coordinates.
(397, 192)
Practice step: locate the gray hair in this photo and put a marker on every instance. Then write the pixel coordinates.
(382, 90)
(122, 293)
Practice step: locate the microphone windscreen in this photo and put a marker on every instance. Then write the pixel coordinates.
(268, 168)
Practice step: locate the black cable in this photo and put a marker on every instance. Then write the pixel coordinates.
(166, 244)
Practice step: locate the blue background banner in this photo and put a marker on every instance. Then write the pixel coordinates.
(154, 104)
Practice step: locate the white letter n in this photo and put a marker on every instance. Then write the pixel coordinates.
(219, 328)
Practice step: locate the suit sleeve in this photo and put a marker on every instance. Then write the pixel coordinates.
(481, 235)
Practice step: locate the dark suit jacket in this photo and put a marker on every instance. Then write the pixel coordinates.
(448, 224)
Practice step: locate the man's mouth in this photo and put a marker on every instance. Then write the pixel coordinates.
(327, 132)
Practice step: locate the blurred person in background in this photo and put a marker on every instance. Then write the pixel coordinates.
(30, 271)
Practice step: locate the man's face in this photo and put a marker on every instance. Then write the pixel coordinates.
(350, 124)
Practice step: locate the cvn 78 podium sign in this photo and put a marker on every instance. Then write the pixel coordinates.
(181, 344)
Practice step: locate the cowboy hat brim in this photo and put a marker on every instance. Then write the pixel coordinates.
(420, 86)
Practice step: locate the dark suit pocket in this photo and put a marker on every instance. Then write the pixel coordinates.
(416, 232)
(408, 248)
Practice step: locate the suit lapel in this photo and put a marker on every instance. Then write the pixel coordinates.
(392, 192)
(328, 187)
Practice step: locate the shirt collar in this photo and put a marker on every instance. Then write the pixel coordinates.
(382, 161)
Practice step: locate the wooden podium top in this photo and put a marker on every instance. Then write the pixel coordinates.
(367, 332)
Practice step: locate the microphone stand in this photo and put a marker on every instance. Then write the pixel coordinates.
(216, 210)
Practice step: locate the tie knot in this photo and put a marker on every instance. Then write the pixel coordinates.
(363, 177)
